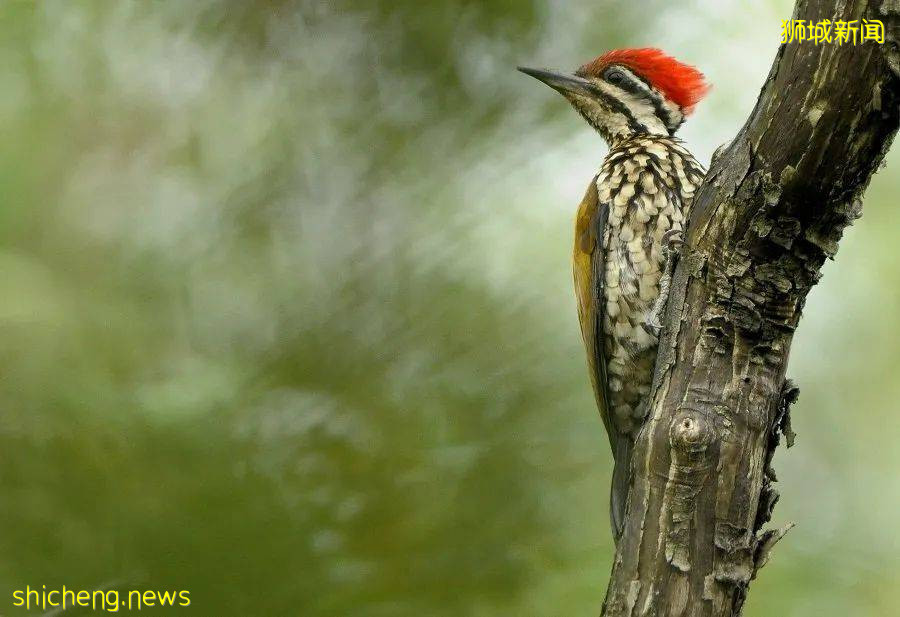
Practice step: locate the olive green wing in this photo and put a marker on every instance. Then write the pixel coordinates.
(589, 267)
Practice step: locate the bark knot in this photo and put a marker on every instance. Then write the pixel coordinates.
(690, 432)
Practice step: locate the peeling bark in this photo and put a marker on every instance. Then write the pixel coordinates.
(770, 211)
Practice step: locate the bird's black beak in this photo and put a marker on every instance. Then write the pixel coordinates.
(561, 82)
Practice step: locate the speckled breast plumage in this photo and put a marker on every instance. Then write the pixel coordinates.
(647, 183)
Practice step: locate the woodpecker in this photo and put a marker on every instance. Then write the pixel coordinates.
(627, 228)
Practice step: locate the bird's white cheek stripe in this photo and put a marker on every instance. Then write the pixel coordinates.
(675, 115)
(641, 110)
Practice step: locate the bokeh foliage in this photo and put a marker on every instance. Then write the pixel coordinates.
(286, 315)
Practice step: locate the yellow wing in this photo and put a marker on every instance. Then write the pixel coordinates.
(589, 269)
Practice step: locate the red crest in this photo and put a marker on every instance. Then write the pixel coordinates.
(680, 83)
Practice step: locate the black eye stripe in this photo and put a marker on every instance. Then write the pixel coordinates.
(617, 106)
(638, 86)
(641, 79)
(630, 83)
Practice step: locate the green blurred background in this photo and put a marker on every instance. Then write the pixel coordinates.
(287, 317)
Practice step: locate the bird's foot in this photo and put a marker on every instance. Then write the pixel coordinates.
(652, 325)
(672, 241)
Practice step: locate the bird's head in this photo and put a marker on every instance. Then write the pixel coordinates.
(627, 92)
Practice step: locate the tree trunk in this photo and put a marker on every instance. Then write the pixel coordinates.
(770, 211)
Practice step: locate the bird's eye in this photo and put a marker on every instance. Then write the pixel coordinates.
(615, 76)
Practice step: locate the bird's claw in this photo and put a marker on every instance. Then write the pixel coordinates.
(652, 326)
(673, 240)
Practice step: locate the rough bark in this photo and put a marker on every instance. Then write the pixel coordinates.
(771, 210)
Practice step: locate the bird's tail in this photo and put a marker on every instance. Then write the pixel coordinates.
(621, 479)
